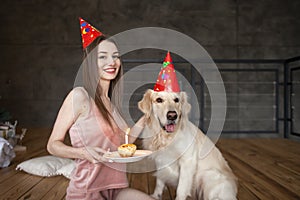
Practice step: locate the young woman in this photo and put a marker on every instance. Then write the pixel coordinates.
(95, 126)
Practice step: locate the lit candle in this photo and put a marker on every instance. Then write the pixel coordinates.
(126, 135)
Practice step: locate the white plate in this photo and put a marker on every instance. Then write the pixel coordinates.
(138, 155)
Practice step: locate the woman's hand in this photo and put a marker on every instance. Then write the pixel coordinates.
(94, 154)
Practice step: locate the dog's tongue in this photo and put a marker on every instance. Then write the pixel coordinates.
(170, 127)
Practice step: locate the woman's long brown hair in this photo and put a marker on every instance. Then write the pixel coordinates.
(91, 80)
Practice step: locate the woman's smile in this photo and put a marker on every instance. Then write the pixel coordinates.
(110, 70)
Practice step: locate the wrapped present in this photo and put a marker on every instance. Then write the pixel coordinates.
(8, 130)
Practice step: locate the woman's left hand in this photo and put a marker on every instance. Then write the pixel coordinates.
(95, 154)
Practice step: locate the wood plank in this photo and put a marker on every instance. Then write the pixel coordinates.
(139, 182)
(151, 182)
(41, 189)
(254, 173)
(284, 145)
(58, 191)
(266, 168)
(171, 194)
(278, 146)
(166, 194)
(129, 178)
(21, 187)
(245, 193)
(9, 184)
(263, 163)
(8, 172)
(257, 183)
(277, 149)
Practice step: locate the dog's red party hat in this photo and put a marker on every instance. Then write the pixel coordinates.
(88, 33)
(167, 80)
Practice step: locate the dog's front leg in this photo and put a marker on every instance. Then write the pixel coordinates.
(186, 179)
(158, 191)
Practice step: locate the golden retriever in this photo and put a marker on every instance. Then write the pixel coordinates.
(177, 144)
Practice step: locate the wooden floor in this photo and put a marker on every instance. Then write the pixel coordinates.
(266, 168)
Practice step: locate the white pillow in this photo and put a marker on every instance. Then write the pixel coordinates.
(67, 169)
(44, 166)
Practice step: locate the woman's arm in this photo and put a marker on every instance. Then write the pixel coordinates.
(137, 129)
(75, 105)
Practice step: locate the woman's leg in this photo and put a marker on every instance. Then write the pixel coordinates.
(130, 193)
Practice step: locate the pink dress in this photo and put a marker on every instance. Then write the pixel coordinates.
(88, 179)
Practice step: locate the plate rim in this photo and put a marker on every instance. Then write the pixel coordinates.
(128, 159)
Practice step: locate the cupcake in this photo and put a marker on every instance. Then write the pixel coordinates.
(126, 150)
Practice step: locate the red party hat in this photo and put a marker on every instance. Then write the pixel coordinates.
(88, 33)
(167, 80)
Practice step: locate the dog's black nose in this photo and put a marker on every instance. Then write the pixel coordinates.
(171, 115)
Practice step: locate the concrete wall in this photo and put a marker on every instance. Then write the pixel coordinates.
(41, 46)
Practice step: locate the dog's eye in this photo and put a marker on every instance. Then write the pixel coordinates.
(176, 100)
(159, 100)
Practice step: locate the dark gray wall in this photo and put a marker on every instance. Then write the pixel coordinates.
(41, 46)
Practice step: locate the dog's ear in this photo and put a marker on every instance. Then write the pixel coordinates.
(145, 104)
(186, 107)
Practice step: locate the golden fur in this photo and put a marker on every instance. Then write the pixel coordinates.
(179, 153)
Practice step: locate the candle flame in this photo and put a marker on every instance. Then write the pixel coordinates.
(127, 131)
